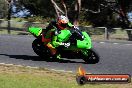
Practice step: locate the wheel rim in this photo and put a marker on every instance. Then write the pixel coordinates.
(40, 49)
(37, 47)
(91, 57)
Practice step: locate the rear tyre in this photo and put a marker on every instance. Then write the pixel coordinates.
(40, 49)
(92, 57)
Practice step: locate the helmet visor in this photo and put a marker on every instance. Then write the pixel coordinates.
(64, 25)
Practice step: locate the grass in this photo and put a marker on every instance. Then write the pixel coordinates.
(16, 23)
(24, 77)
(12, 32)
(118, 35)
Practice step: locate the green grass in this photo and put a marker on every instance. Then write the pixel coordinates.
(12, 32)
(23, 77)
(29, 81)
(119, 35)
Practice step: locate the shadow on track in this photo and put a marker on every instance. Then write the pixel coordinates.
(37, 58)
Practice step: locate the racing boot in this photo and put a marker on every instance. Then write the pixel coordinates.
(53, 51)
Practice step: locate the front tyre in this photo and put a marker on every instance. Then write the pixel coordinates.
(92, 56)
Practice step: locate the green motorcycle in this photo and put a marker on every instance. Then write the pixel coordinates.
(74, 44)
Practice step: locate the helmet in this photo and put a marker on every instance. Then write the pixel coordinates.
(62, 22)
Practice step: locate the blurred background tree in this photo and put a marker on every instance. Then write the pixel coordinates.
(3, 9)
(95, 12)
(36, 7)
(108, 13)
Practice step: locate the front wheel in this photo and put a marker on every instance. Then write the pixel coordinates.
(91, 56)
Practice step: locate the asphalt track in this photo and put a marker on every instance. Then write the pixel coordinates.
(116, 58)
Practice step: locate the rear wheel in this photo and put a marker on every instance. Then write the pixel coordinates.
(40, 49)
(91, 56)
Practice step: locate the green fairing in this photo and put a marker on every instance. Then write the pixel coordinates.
(64, 35)
(86, 43)
(35, 31)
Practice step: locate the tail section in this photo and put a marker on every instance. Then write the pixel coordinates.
(35, 31)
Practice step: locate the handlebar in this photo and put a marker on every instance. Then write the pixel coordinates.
(79, 33)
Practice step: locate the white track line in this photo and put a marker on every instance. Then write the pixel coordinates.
(114, 43)
(61, 70)
(128, 44)
(101, 42)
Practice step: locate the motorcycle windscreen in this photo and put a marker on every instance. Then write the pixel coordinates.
(64, 35)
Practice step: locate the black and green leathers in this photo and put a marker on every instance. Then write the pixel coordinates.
(53, 30)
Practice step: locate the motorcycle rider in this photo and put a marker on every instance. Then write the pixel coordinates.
(52, 30)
